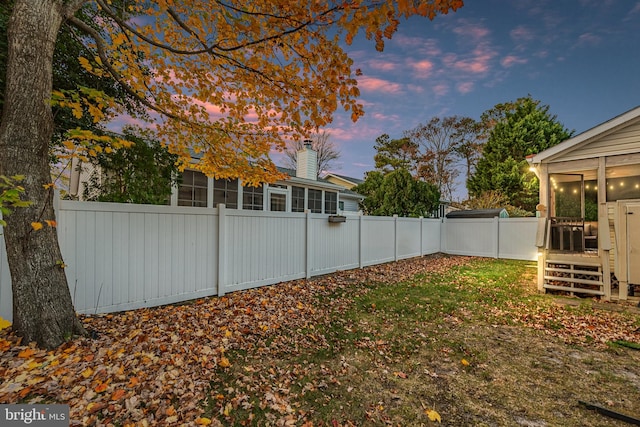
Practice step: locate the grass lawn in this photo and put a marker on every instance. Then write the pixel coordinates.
(454, 341)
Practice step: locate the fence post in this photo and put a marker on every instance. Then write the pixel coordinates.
(307, 244)
(395, 237)
(421, 243)
(443, 232)
(360, 244)
(496, 237)
(222, 240)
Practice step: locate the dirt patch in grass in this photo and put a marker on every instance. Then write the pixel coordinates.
(464, 340)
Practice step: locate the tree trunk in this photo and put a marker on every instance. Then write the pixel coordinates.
(42, 308)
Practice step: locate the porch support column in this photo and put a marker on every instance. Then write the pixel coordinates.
(604, 238)
(544, 213)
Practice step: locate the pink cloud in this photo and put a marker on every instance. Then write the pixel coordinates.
(511, 60)
(422, 69)
(424, 46)
(380, 65)
(441, 89)
(478, 63)
(472, 31)
(415, 88)
(521, 33)
(372, 84)
(465, 87)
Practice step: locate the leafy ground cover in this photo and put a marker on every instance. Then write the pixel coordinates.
(450, 340)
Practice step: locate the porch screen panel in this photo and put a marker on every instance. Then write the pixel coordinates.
(566, 196)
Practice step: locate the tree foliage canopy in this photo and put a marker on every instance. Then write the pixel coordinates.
(521, 128)
(229, 80)
(393, 154)
(143, 173)
(443, 143)
(397, 193)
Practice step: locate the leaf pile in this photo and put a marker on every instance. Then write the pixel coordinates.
(152, 366)
(208, 361)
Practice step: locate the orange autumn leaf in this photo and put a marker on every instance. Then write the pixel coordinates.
(133, 381)
(203, 421)
(51, 223)
(26, 353)
(24, 392)
(118, 394)
(36, 225)
(224, 362)
(87, 373)
(464, 362)
(101, 388)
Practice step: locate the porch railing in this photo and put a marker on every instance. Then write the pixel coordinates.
(566, 234)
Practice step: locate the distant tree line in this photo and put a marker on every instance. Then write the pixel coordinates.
(491, 152)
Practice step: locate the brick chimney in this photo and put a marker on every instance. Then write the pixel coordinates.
(307, 162)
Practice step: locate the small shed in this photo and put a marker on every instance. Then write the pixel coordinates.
(479, 213)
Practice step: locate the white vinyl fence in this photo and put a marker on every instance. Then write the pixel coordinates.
(123, 256)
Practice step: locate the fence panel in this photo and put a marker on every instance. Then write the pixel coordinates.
(6, 299)
(408, 237)
(431, 236)
(470, 236)
(377, 240)
(517, 238)
(333, 246)
(263, 248)
(122, 256)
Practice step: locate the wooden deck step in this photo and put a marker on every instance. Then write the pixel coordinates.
(574, 280)
(575, 290)
(579, 262)
(565, 270)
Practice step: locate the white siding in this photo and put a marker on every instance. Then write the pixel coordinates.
(622, 141)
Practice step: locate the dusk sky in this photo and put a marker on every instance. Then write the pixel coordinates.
(579, 57)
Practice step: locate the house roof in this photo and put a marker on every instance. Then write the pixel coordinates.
(586, 137)
(349, 179)
(479, 213)
(320, 182)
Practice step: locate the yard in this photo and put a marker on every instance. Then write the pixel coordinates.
(456, 340)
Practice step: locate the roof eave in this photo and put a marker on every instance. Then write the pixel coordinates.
(585, 136)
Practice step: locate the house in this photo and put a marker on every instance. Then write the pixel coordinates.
(302, 190)
(347, 182)
(589, 211)
(349, 199)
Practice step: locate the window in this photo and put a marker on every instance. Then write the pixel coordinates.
(277, 202)
(297, 199)
(225, 191)
(330, 203)
(341, 205)
(252, 198)
(315, 201)
(193, 189)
